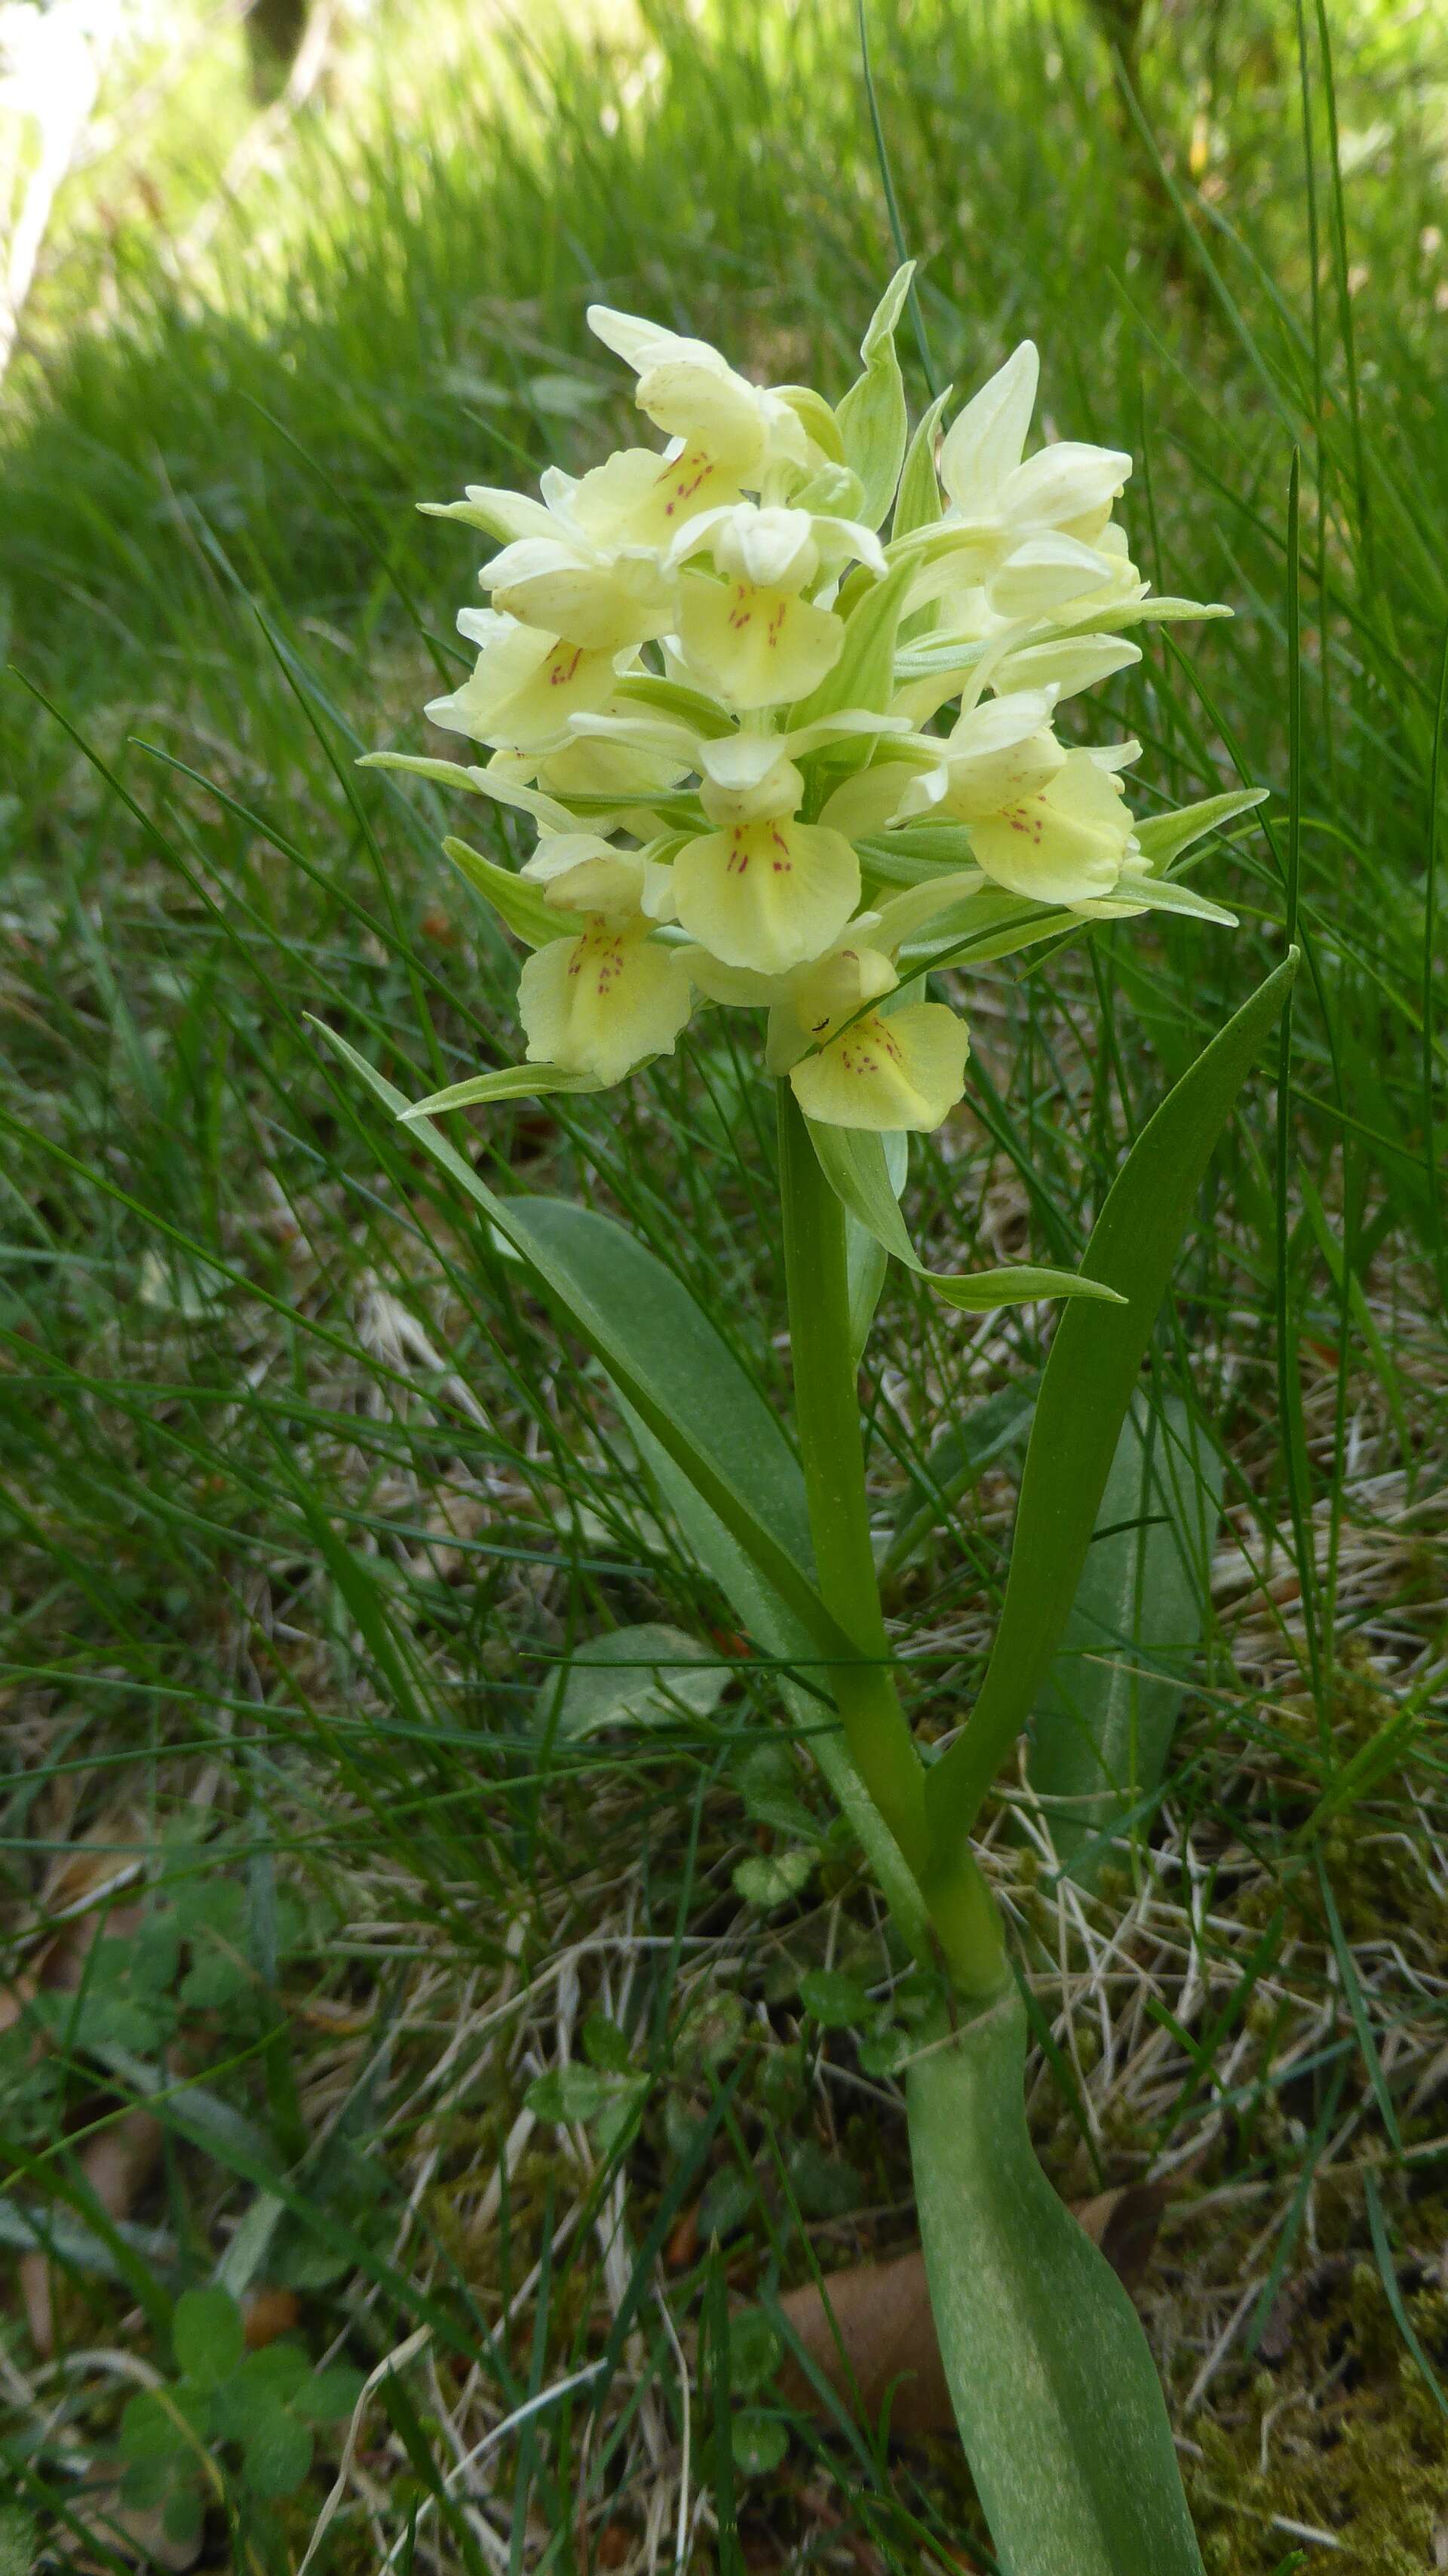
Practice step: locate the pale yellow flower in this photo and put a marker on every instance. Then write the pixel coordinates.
(769, 894)
(525, 684)
(692, 393)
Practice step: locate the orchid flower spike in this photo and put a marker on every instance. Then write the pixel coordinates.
(716, 679)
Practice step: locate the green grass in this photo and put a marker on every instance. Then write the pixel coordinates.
(304, 1495)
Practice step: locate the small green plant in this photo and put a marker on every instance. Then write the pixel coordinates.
(780, 764)
(233, 2428)
(145, 1983)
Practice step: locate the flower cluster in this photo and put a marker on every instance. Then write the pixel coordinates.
(724, 698)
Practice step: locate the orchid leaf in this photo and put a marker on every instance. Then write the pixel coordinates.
(703, 715)
(1089, 1381)
(651, 1348)
(1055, 2391)
(767, 1619)
(853, 1162)
(1104, 1722)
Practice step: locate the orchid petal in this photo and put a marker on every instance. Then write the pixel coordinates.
(755, 648)
(599, 1004)
(768, 895)
(905, 1071)
(983, 444)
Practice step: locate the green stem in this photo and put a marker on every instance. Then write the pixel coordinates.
(828, 1416)
(962, 1910)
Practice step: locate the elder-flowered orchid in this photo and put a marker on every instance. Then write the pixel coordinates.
(1036, 531)
(612, 995)
(722, 423)
(525, 686)
(751, 634)
(715, 681)
(850, 1064)
(786, 716)
(1044, 821)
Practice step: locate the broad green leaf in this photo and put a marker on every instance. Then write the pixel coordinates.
(1163, 836)
(864, 675)
(214, 1981)
(866, 1259)
(606, 2045)
(269, 2376)
(651, 1675)
(918, 503)
(659, 1347)
(506, 1082)
(610, 2103)
(513, 898)
(755, 2352)
(824, 2185)
(276, 2451)
(1054, 2388)
(207, 2336)
(872, 419)
(1104, 1722)
(759, 2442)
(182, 2518)
(161, 2424)
(725, 1396)
(716, 1451)
(729, 2201)
(768, 1782)
(837, 2001)
(1089, 1381)
(326, 2396)
(853, 1162)
(769, 1879)
(653, 1347)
